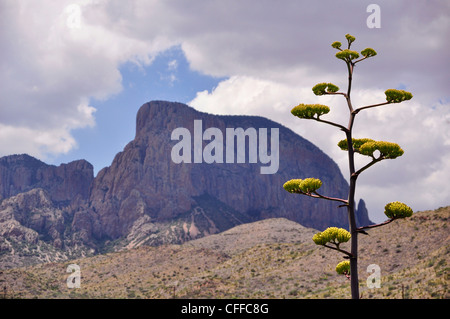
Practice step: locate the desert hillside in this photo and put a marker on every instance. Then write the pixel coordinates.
(273, 258)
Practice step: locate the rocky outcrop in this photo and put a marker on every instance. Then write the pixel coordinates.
(362, 214)
(37, 205)
(65, 183)
(30, 215)
(33, 229)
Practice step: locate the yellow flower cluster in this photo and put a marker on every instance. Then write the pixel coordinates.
(367, 146)
(323, 88)
(333, 235)
(308, 111)
(343, 268)
(357, 142)
(336, 44)
(292, 186)
(397, 96)
(310, 185)
(397, 210)
(347, 55)
(350, 38)
(306, 185)
(387, 149)
(368, 52)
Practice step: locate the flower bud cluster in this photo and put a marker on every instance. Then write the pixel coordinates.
(368, 52)
(367, 146)
(343, 268)
(347, 55)
(306, 185)
(397, 96)
(323, 88)
(332, 235)
(387, 149)
(397, 210)
(308, 111)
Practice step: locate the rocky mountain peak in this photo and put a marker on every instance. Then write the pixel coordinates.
(156, 191)
(65, 183)
(143, 179)
(160, 115)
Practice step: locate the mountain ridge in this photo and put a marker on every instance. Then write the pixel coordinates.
(66, 182)
(145, 198)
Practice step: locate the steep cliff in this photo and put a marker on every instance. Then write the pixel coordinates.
(64, 183)
(362, 214)
(144, 181)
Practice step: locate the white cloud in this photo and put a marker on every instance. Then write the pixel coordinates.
(40, 143)
(57, 56)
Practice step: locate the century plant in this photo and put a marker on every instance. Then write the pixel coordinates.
(377, 151)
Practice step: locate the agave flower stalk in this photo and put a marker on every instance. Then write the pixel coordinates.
(376, 150)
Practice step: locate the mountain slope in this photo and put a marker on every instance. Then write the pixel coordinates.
(266, 259)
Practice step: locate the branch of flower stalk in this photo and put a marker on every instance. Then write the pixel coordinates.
(370, 106)
(339, 250)
(336, 93)
(343, 128)
(354, 62)
(360, 229)
(375, 160)
(314, 194)
(328, 198)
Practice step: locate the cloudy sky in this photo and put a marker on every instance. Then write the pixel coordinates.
(74, 73)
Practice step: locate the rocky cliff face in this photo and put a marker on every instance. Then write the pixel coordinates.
(65, 183)
(143, 181)
(35, 229)
(148, 196)
(362, 214)
(29, 215)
